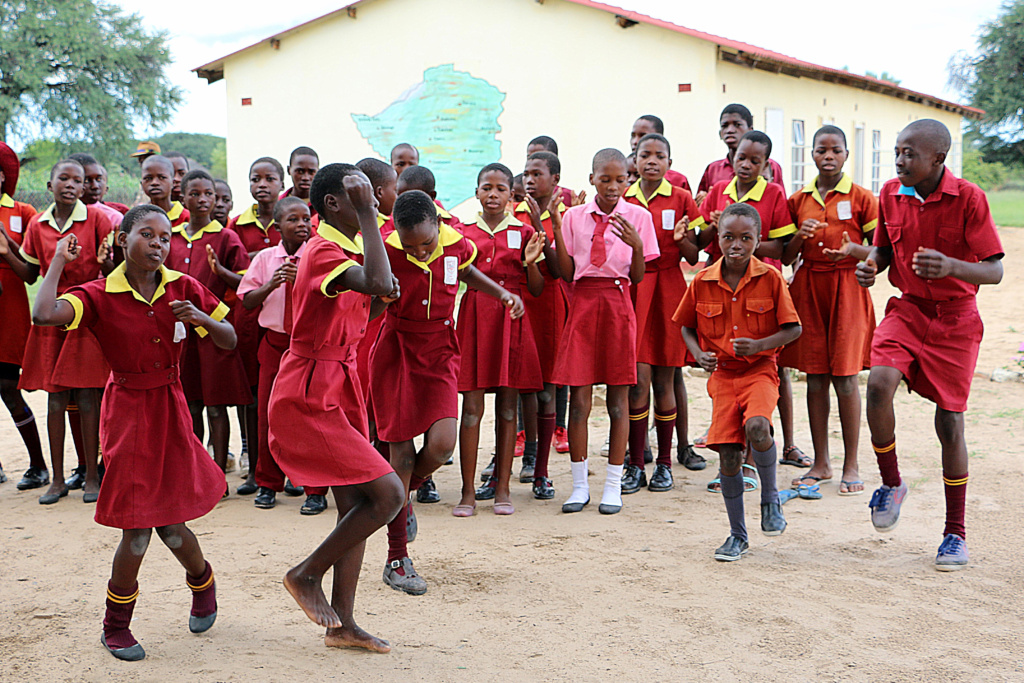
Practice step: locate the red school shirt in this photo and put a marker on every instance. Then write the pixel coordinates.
(501, 252)
(522, 214)
(667, 205)
(89, 224)
(188, 254)
(178, 214)
(720, 170)
(677, 179)
(769, 201)
(14, 310)
(954, 219)
(429, 288)
(255, 236)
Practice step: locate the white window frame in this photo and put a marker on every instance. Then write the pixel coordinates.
(876, 162)
(798, 158)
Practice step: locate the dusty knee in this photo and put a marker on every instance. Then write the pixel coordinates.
(216, 412)
(758, 430)
(615, 411)
(470, 419)
(138, 541)
(391, 499)
(880, 391)
(949, 426)
(845, 386)
(171, 536)
(545, 396)
(507, 414)
(730, 459)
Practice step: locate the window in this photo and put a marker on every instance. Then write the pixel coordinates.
(799, 154)
(876, 161)
(955, 160)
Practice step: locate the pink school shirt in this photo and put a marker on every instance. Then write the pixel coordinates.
(261, 270)
(578, 226)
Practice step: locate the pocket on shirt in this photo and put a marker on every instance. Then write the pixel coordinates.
(952, 240)
(711, 319)
(761, 317)
(895, 232)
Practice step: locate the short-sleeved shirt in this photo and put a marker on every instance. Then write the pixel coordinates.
(765, 197)
(578, 225)
(89, 224)
(757, 309)
(259, 273)
(668, 204)
(848, 208)
(429, 287)
(15, 216)
(720, 170)
(677, 179)
(954, 219)
(14, 300)
(188, 254)
(178, 214)
(502, 251)
(113, 214)
(255, 236)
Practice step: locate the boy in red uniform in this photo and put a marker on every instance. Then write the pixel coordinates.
(404, 156)
(303, 163)
(936, 235)
(734, 122)
(660, 352)
(96, 186)
(317, 417)
(180, 164)
(645, 125)
(223, 202)
(158, 474)
(158, 183)
(14, 218)
(543, 143)
(735, 316)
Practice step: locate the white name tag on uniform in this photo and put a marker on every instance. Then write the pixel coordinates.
(179, 332)
(668, 219)
(451, 270)
(16, 224)
(845, 210)
(515, 239)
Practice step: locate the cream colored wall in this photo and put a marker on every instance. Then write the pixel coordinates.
(568, 71)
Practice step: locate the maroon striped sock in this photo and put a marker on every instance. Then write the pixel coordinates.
(398, 539)
(545, 432)
(665, 425)
(956, 503)
(885, 454)
(204, 592)
(118, 617)
(638, 434)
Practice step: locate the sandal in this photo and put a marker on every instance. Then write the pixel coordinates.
(715, 485)
(809, 492)
(848, 484)
(791, 455)
(799, 481)
(750, 483)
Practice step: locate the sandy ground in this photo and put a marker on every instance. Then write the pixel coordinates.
(548, 596)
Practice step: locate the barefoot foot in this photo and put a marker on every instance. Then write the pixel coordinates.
(813, 476)
(355, 637)
(307, 592)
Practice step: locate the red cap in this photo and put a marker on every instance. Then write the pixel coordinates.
(11, 167)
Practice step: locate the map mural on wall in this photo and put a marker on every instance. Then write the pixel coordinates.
(451, 117)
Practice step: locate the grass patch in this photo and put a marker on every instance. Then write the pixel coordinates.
(1007, 207)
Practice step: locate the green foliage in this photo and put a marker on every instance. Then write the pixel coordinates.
(986, 175)
(884, 76)
(81, 70)
(1007, 207)
(197, 146)
(219, 160)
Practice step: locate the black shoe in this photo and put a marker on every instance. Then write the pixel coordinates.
(33, 479)
(265, 498)
(772, 521)
(314, 505)
(542, 489)
(633, 478)
(661, 480)
(733, 548)
(648, 456)
(51, 498)
(134, 653)
(526, 473)
(291, 489)
(450, 460)
(76, 480)
(412, 527)
(427, 492)
(486, 492)
(688, 458)
(488, 471)
(247, 489)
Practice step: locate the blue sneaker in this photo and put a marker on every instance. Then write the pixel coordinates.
(885, 506)
(952, 554)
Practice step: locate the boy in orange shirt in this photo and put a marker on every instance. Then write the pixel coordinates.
(735, 316)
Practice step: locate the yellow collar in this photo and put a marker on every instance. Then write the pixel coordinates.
(249, 216)
(441, 212)
(176, 211)
(844, 186)
(331, 233)
(664, 189)
(78, 214)
(446, 237)
(212, 227)
(525, 208)
(382, 219)
(755, 193)
(6, 202)
(509, 221)
(117, 283)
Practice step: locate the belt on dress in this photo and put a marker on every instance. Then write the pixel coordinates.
(417, 326)
(933, 308)
(346, 353)
(141, 381)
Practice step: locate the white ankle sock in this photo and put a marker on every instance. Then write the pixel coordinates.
(580, 485)
(612, 486)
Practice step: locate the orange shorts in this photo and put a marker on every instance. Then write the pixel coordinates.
(739, 392)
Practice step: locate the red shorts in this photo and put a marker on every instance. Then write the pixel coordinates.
(739, 392)
(934, 344)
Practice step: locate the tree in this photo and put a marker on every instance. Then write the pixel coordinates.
(81, 71)
(198, 146)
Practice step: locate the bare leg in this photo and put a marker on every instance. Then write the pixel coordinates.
(818, 408)
(505, 406)
(682, 408)
(220, 432)
(785, 408)
(618, 413)
(580, 402)
(529, 416)
(469, 443)
(56, 406)
(949, 427)
(438, 445)
(882, 385)
(195, 409)
(89, 410)
(251, 425)
(185, 547)
(128, 556)
(848, 395)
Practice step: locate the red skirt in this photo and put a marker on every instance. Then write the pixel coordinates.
(497, 351)
(363, 355)
(56, 361)
(14, 314)
(212, 375)
(659, 341)
(548, 313)
(247, 328)
(414, 370)
(318, 429)
(838, 321)
(599, 342)
(157, 471)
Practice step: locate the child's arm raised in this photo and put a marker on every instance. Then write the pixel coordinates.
(625, 231)
(931, 264)
(220, 331)
(29, 272)
(229, 276)
(105, 256)
(380, 303)
(686, 239)
(374, 277)
(480, 282)
(788, 332)
(566, 266)
(48, 310)
(534, 248)
(795, 245)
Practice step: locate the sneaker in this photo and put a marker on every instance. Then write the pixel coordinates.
(542, 489)
(885, 506)
(690, 459)
(32, 479)
(408, 581)
(561, 440)
(412, 526)
(314, 505)
(733, 549)
(772, 521)
(427, 492)
(526, 473)
(607, 446)
(520, 444)
(488, 471)
(661, 480)
(952, 554)
(265, 498)
(633, 479)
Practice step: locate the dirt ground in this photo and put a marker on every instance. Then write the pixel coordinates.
(584, 597)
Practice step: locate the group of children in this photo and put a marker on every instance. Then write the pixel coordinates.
(328, 312)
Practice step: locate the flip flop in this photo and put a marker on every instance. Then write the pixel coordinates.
(848, 484)
(464, 510)
(809, 492)
(717, 481)
(801, 460)
(816, 480)
(750, 483)
(787, 495)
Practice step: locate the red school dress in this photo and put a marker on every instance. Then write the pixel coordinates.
(14, 312)
(210, 374)
(56, 360)
(497, 351)
(255, 237)
(157, 471)
(318, 428)
(414, 365)
(659, 341)
(549, 311)
(355, 251)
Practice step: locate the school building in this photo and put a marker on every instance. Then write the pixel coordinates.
(470, 82)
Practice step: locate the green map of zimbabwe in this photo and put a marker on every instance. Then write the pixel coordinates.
(452, 119)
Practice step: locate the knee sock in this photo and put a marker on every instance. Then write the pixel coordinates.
(118, 618)
(561, 405)
(204, 592)
(638, 434)
(75, 422)
(30, 435)
(766, 468)
(612, 494)
(732, 492)
(545, 432)
(398, 540)
(956, 502)
(580, 485)
(664, 424)
(885, 454)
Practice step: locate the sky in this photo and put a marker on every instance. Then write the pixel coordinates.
(909, 40)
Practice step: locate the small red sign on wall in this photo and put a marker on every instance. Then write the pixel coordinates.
(684, 87)
(246, 101)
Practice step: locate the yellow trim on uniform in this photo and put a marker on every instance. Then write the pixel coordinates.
(249, 216)
(869, 226)
(782, 232)
(664, 189)
(332, 234)
(640, 416)
(218, 314)
(203, 586)
(78, 214)
(884, 449)
(333, 275)
(117, 283)
(523, 207)
(381, 220)
(447, 236)
(6, 202)
(954, 482)
(176, 210)
(122, 599)
(441, 211)
(28, 257)
(665, 418)
(509, 221)
(76, 304)
(755, 193)
(214, 226)
(844, 186)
